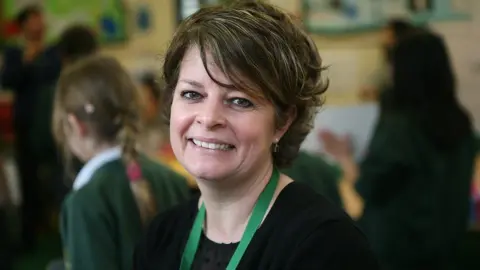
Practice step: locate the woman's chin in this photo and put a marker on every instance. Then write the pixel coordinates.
(208, 170)
(209, 175)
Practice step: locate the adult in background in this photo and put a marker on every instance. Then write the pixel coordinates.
(414, 183)
(28, 67)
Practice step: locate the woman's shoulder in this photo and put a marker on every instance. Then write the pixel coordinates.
(297, 201)
(323, 235)
(306, 212)
(302, 210)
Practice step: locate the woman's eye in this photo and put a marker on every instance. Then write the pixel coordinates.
(241, 102)
(191, 95)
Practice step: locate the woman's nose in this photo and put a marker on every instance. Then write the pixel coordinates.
(212, 115)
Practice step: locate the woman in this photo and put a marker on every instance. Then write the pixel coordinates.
(243, 83)
(414, 182)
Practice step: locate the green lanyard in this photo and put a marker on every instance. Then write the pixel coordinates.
(254, 222)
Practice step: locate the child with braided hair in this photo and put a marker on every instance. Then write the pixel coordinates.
(97, 118)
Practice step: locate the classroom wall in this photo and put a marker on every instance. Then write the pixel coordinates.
(351, 57)
(145, 49)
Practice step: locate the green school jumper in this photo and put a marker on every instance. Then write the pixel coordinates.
(318, 174)
(100, 221)
(416, 197)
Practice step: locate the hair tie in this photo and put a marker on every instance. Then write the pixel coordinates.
(89, 108)
(134, 172)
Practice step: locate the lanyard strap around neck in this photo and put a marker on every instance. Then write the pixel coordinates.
(254, 222)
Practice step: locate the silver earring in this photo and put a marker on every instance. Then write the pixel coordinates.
(275, 147)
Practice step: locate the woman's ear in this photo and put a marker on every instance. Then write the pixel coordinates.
(75, 126)
(291, 115)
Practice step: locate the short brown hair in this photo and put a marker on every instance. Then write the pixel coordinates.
(264, 52)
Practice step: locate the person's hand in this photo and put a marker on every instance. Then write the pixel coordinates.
(338, 147)
(32, 49)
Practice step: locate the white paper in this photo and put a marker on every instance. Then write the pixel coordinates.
(357, 121)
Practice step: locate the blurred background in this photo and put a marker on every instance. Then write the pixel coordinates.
(351, 36)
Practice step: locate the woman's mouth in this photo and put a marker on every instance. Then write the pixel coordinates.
(212, 146)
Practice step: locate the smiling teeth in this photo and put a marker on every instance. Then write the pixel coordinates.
(213, 146)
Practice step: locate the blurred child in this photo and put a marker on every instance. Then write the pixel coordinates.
(155, 140)
(151, 93)
(154, 133)
(97, 118)
(74, 43)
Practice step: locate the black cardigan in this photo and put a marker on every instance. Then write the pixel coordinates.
(302, 231)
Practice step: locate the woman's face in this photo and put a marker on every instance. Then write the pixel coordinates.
(215, 132)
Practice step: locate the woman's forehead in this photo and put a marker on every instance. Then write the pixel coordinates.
(193, 65)
(193, 71)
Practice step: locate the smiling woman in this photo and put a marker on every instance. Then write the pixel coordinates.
(243, 83)
(207, 116)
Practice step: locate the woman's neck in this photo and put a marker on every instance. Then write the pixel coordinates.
(229, 205)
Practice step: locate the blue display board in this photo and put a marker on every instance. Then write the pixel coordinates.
(345, 16)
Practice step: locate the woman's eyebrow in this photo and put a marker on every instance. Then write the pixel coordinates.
(192, 83)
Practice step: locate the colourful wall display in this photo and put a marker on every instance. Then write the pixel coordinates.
(344, 16)
(107, 17)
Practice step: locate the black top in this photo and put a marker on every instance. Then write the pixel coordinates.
(303, 230)
(212, 255)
